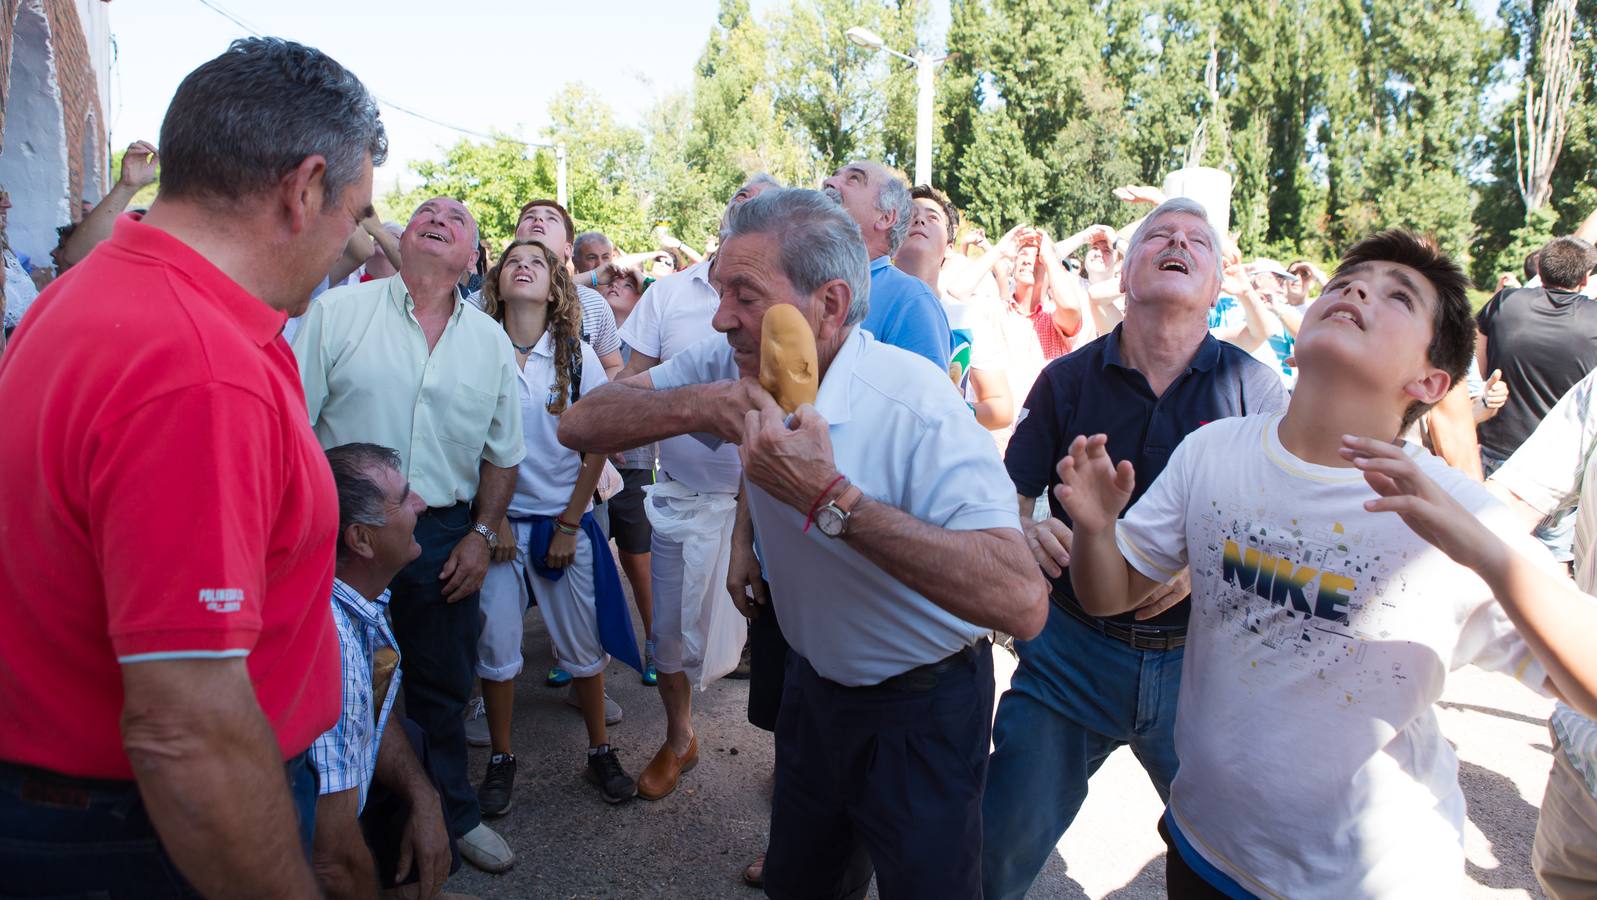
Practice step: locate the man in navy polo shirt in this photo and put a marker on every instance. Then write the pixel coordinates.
(1087, 686)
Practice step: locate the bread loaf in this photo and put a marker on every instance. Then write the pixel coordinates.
(788, 366)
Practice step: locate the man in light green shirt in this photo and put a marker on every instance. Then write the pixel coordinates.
(401, 362)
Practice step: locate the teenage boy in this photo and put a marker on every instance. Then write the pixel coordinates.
(1322, 629)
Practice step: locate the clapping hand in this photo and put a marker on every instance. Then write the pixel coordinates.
(1092, 489)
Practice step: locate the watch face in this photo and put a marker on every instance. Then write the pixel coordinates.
(830, 520)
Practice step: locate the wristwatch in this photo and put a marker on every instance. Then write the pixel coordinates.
(488, 534)
(832, 519)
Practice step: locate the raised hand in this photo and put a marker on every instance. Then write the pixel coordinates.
(1092, 489)
(1496, 390)
(1140, 193)
(1431, 512)
(139, 164)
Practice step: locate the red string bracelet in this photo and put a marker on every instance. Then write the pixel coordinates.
(810, 519)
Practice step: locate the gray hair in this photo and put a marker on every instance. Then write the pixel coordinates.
(817, 241)
(242, 121)
(765, 178)
(586, 237)
(894, 195)
(360, 499)
(1179, 205)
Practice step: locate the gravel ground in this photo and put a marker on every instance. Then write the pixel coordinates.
(694, 843)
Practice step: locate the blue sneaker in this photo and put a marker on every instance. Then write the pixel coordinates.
(558, 677)
(650, 677)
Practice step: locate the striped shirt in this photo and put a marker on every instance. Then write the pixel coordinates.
(1554, 470)
(346, 756)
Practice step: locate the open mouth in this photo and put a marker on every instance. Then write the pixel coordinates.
(1174, 263)
(1344, 312)
(438, 236)
(522, 279)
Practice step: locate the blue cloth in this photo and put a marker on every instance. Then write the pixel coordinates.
(1094, 391)
(905, 313)
(345, 756)
(610, 604)
(1076, 697)
(880, 778)
(1201, 867)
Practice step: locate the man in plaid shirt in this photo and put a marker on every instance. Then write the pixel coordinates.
(392, 831)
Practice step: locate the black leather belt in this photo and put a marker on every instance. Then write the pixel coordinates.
(924, 678)
(1140, 637)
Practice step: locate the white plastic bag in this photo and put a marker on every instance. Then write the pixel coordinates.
(713, 631)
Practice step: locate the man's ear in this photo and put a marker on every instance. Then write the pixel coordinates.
(301, 192)
(1429, 388)
(831, 302)
(358, 538)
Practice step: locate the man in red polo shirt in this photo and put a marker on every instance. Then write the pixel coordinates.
(168, 519)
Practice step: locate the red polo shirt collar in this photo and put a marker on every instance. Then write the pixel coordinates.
(260, 322)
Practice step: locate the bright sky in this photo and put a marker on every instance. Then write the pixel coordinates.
(478, 64)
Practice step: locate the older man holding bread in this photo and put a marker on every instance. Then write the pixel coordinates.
(889, 531)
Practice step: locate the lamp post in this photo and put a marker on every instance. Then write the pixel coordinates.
(925, 68)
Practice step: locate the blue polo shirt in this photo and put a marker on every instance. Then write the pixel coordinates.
(905, 313)
(1094, 391)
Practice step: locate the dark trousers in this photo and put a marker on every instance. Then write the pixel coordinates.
(386, 814)
(68, 837)
(438, 642)
(880, 778)
(768, 652)
(1181, 881)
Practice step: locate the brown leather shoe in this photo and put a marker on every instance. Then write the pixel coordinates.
(661, 777)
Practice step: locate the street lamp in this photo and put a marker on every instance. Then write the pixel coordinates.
(925, 68)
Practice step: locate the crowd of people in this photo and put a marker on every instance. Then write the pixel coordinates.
(281, 483)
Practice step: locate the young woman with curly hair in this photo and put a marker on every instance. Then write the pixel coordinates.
(553, 551)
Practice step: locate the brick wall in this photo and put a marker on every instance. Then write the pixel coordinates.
(80, 98)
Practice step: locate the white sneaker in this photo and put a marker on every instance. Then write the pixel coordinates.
(477, 723)
(612, 709)
(485, 849)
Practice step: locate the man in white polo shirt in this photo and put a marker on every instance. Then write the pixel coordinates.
(891, 536)
(695, 500)
(1554, 471)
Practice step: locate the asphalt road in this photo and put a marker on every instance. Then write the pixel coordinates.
(694, 843)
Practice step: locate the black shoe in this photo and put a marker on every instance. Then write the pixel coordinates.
(604, 771)
(494, 794)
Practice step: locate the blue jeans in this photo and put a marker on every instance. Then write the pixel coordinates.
(66, 837)
(1077, 696)
(438, 643)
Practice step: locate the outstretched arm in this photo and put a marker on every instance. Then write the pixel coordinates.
(1555, 620)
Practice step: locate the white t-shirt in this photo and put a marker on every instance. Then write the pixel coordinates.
(1554, 469)
(671, 316)
(906, 440)
(548, 472)
(1312, 763)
